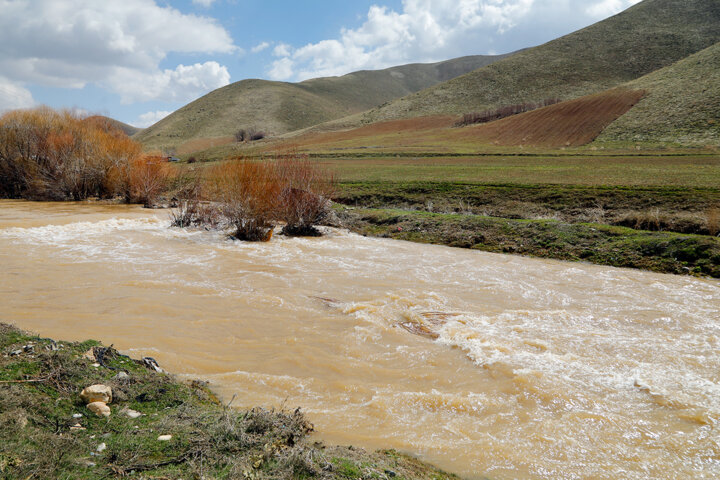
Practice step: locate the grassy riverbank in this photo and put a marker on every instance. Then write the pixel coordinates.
(664, 252)
(662, 229)
(43, 436)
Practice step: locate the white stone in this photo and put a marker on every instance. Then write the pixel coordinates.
(165, 438)
(99, 408)
(132, 413)
(97, 393)
(101, 447)
(121, 376)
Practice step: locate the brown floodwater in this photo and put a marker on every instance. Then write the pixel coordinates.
(483, 364)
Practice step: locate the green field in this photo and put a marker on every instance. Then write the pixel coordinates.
(623, 170)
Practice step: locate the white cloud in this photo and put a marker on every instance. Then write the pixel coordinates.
(179, 85)
(281, 69)
(150, 118)
(13, 96)
(282, 50)
(260, 47)
(71, 43)
(434, 30)
(203, 3)
(605, 8)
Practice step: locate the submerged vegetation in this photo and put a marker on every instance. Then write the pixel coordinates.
(253, 196)
(158, 427)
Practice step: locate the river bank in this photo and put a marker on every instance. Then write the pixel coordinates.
(666, 230)
(491, 365)
(47, 432)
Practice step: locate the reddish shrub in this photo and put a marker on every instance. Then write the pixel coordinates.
(49, 154)
(248, 193)
(305, 195)
(147, 178)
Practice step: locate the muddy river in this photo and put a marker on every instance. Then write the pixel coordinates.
(483, 364)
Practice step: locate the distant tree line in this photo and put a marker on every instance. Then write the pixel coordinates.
(502, 112)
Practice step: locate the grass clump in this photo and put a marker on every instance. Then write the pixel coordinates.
(40, 437)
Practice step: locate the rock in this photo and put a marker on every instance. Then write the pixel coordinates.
(77, 427)
(129, 412)
(97, 393)
(77, 415)
(165, 438)
(90, 355)
(121, 376)
(15, 353)
(99, 408)
(101, 447)
(152, 364)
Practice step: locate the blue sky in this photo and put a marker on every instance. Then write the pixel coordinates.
(138, 60)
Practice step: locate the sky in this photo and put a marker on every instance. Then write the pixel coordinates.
(139, 60)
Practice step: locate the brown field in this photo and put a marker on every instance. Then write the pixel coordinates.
(392, 133)
(572, 123)
(203, 144)
(566, 124)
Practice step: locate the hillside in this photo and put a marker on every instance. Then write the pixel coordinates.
(128, 129)
(677, 105)
(640, 40)
(280, 107)
(681, 106)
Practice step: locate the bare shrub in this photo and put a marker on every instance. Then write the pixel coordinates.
(147, 178)
(55, 155)
(249, 135)
(248, 193)
(713, 220)
(305, 194)
(192, 209)
(502, 112)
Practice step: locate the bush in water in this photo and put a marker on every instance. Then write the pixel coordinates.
(247, 192)
(253, 195)
(305, 195)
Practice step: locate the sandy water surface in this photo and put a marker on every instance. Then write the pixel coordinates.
(483, 364)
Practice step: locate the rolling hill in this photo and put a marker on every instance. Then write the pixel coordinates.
(646, 37)
(280, 107)
(681, 106)
(128, 129)
(678, 105)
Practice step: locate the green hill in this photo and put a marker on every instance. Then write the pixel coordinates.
(280, 107)
(640, 40)
(681, 106)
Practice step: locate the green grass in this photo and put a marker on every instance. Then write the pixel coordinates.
(648, 36)
(279, 107)
(682, 210)
(681, 171)
(664, 252)
(39, 394)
